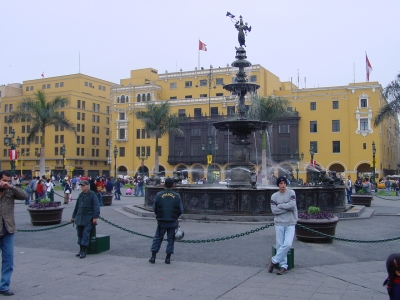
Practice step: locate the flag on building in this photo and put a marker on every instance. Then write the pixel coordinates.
(368, 66)
(202, 46)
(13, 154)
(42, 75)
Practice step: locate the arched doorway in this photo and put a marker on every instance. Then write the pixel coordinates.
(184, 170)
(121, 170)
(143, 170)
(161, 169)
(197, 173)
(313, 173)
(338, 168)
(213, 173)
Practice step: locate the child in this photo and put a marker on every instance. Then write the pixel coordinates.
(129, 191)
(393, 281)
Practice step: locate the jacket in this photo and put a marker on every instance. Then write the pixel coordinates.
(283, 206)
(7, 207)
(86, 208)
(167, 206)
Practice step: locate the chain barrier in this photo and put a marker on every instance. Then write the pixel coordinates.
(194, 241)
(347, 240)
(44, 229)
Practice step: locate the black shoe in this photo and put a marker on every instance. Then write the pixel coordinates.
(6, 293)
(152, 259)
(83, 252)
(79, 253)
(282, 271)
(271, 266)
(168, 259)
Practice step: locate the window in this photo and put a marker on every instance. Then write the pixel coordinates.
(98, 107)
(148, 97)
(93, 107)
(313, 126)
(284, 128)
(335, 104)
(107, 131)
(82, 139)
(83, 127)
(197, 112)
(82, 152)
(11, 107)
(203, 95)
(172, 85)
(57, 84)
(214, 111)
(188, 96)
(6, 108)
(364, 146)
(137, 151)
(138, 98)
(219, 94)
(122, 99)
(148, 151)
(313, 105)
(27, 88)
(93, 118)
(284, 147)
(122, 151)
(56, 151)
(23, 129)
(78, 115)
(78, 139)
(97, 154)
(122, 134)
(97, 130)
(23, 140)
(61, 139)
(203, 82)
(181, 113)
(93, 129)
(93, 140)
(253, 78)
(363, 102)
(48, 86)
(78, 103)
(173, 98)
(219, 81)
(231, 110)
(107, 120)
(43, 87)
(86, 83)
(138, 133)
(122, 116)
(31, 88)
(188, 84)
(97, 119)
(336, 146)
(195, 132)
(107, 109)
(28, 128)
(83, 105)
(364, 124)
(61, 84)
(78, 151)
(143, 134)
(314, 146)
(78, 127)
(83, 116)
(335, 125)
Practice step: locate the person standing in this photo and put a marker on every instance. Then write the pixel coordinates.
(50, 190)
(32, 186)
(387, 186)
(349, 188)
(358, 185)
(67, 191)
(8, 193)
(85, 215)
(168, 207)
(140, 184)
(117, 189)
(283, 206)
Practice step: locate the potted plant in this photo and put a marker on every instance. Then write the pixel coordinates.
(361, 198)
(318, 220)
(107, 198)
(45, 212)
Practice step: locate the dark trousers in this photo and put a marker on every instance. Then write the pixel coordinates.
(84, 234)
(159, 236)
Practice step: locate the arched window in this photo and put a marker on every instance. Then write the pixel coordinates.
(148, 96)
(127, 99)
(143, 97)
(122, 133)
(138, 98)
(122, 99)
(117, 99)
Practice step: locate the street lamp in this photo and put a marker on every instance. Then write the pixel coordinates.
(312, 161)
(373, 163)
(210, 81)
(63, 155)
(8, 141)
(142, 157)
(115, 161)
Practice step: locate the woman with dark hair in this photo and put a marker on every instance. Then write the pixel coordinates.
(393, 281)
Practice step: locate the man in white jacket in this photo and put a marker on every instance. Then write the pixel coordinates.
(283, 206)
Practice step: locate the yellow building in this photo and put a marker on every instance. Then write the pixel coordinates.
(87, 153)
(335, 121)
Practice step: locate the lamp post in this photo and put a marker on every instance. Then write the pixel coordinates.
(8, 142)
(373, 163)
(115, 161)
(210, 81)
(63, 155)
(142, 157)
(312, 161)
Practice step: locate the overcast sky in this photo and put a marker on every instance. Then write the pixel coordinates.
(322, 39)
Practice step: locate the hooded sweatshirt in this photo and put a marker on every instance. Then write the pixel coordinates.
(283, 206)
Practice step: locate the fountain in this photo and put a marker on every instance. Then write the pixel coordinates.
(241, 196)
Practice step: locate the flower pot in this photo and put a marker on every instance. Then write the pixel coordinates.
(46, 216)
(327, 226)
(361, 199)
(107, 200)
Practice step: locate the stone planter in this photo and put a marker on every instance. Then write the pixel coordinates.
(361, 200)
(327, 226)
(46, 216)
(107, 200)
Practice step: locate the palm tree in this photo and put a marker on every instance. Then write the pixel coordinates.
(268, 109)
(42, 114)
(158, 122)
(392, 108)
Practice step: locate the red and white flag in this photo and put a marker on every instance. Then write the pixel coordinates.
(202, 46)
(13, 154)
(42, 75)
(368, 67)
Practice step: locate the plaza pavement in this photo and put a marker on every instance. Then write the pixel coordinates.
(46, 272)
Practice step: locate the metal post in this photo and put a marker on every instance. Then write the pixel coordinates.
(8, 141)
(373, 163)
(312, 161)
(115, 161)
(63, 163)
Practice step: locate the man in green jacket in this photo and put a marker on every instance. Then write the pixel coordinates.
(86, 212)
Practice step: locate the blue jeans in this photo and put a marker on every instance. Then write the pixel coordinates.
(100, 197)
(388, 191)
(84, 234)
(284, 240)
(348, 195)
(7, 256)
(140, 189)
(159, 236)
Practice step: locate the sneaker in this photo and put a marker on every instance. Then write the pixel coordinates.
(6, 293)
(271, 266)
(281, 271)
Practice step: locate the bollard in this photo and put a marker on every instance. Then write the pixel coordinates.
(290, 257)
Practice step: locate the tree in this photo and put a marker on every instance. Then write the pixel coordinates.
(42, 114)
(158, 122)
(392, 108)
(268, 109)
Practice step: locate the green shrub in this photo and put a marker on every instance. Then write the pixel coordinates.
(312, 210)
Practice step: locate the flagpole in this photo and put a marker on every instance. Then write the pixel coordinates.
(198, 60)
